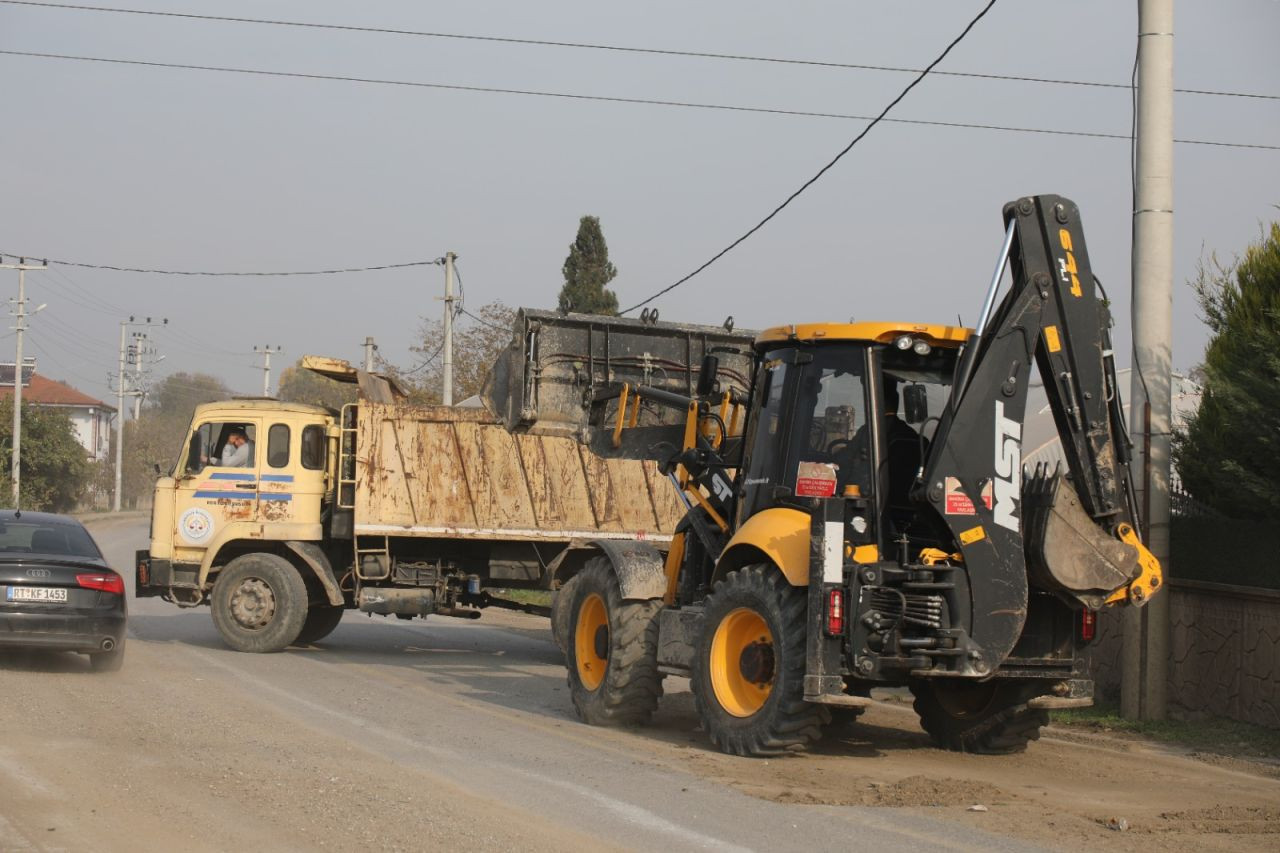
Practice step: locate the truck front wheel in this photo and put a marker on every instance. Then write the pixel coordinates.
(748, 668)
(611, 650)
(988, 718)
(259, 603)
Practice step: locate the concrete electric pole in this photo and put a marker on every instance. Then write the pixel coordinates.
(369, 349)
(1146, 629)
(266, 353)
(122, 380)
(447, 396)
(20, 312)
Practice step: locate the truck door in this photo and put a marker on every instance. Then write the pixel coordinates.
(291, 474)
(214, 489)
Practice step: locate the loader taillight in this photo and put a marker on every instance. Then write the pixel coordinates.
(1088, 624)
(835, 612)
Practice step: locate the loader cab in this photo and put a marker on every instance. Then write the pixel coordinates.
(846, 410)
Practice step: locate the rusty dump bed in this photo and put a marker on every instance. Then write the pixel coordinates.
(436, 471)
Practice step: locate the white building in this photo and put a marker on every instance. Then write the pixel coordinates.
(90, 418)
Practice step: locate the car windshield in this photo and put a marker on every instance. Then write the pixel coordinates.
(46, 537)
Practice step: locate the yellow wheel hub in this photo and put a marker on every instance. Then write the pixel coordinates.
(591, 641)
(742, 662)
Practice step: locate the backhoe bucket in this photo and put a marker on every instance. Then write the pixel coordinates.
(1067, 551)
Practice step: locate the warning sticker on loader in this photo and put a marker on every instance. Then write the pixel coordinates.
(815, 480)
(958, 503)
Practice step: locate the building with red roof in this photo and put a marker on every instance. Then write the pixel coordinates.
(90, 418)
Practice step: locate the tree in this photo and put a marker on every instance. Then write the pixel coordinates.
(55, 468)
(299, 385)
(586, 272)
(476, 344)
(1228, 455)
(156, 437)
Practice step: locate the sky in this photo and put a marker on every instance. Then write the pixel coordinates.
(197, 170)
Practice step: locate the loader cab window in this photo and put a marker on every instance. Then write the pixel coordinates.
(913, 393)
(808, 414)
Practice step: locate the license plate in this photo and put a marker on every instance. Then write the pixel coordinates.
(36, 593)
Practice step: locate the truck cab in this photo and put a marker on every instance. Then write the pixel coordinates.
(207, 512)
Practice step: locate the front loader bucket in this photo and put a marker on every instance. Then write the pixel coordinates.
(1067, 552)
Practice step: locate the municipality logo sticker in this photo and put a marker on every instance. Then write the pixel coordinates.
(196, 525)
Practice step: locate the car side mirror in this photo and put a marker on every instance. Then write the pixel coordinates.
(707, 375)
(915, 404)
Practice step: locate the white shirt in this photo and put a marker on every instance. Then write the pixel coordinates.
(236, 457)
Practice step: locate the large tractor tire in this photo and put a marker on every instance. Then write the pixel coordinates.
(989, 718)
(748, 668)
(321, 621)
(259, 603)
(611, 650)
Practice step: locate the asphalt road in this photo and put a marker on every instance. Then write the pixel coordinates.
(428, 734)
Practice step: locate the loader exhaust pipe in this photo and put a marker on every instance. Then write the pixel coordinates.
(108, 644)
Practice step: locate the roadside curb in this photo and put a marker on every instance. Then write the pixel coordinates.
(91, 519)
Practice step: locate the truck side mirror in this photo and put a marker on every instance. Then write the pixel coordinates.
(707, 375)
(193, 455)
(915, 404)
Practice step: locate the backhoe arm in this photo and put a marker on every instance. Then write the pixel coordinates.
(1072, 531)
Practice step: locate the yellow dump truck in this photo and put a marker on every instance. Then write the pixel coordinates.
(279, 516)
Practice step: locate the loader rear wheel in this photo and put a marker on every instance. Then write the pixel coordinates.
(321, 621)
(611, 650)
(748, 670)
(990, 718)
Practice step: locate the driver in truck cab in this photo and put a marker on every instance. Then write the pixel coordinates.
(236, 453)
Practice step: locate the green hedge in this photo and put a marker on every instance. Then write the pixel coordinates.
(1224, 550)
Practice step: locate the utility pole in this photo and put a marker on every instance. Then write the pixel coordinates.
(139, 347)
(447, 396)
(1146, 629)
(20, 312)
(266, 353)
(122, 379)
(369, 349)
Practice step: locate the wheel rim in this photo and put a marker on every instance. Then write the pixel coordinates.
(742, 662)
(591, 641)
(253, 604)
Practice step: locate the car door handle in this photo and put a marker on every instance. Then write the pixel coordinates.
(246, 485)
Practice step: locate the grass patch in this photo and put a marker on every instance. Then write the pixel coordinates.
(540, 597)
(1211, 734)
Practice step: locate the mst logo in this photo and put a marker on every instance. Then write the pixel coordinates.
(1008, 465)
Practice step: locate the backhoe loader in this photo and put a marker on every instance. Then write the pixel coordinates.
(858, 515)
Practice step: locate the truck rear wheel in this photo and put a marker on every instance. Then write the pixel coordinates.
(259, 603)
(320, 622)
(611, 650)
(748, 669)
(989, 718)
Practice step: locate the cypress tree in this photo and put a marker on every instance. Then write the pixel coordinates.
(1228, 455)
(586, 272)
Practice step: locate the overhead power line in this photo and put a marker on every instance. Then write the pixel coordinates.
(691, 54)
(223, 272)
(605, 98)
(836, 159)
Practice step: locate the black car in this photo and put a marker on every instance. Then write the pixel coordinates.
(57, 591)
